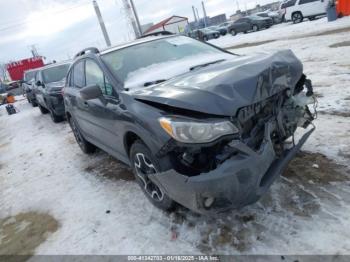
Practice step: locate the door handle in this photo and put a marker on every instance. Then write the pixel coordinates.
(86, 104)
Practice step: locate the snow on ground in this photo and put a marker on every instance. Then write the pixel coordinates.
(305, 212)
(287, 31)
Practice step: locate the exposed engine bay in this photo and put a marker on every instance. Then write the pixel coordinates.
(288, 110)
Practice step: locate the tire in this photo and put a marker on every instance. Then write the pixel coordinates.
(84, 145)
(43, 110)
(255, 28)
(55, 118)
(144, 163)
(233, 32)
(205, 39)
(29, 100)
(34, 104)
(297, 17)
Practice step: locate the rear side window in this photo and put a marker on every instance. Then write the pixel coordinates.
(79, 75)
(307, 1)
(288, 4)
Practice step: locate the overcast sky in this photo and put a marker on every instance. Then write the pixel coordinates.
(60, 28)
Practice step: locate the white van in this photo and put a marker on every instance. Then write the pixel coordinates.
(297, 10)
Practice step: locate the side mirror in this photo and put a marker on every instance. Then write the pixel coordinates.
(39, 83)
(91, 92)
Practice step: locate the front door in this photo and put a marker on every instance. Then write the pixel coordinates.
(105, 112)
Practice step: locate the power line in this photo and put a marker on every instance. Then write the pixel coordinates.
(25, 21)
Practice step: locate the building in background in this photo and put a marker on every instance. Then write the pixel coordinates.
(218, 19)
(145, 27)
(174, 24)
(16, 69)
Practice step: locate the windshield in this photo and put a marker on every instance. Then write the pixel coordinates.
(126, 61)
(29, 75)
(55, 74)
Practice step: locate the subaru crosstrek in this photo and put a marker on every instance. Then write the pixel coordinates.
(198, 125)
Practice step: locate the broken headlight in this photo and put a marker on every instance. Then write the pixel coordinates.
(189, 131)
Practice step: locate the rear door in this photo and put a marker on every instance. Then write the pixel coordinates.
(105, 112)
(75, 104)
(311, 7)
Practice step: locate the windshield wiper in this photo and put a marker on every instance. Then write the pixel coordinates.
(206, 64)
(154, 82)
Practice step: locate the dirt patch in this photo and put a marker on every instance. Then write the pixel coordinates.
(23, 233)
(111, 168)
(335, 113)
(250, 44)
(341, 44)
(332, 32)
(343, 154)
(318, 95)
(317, 168)
(4, 145)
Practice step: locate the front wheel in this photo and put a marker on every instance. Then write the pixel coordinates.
(255, 28)
(144, 164)
(205, 39)
(297, 18)
(43, 110)
(233, 32)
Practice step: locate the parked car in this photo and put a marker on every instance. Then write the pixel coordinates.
(3, 88)
(49, 82)
(205, 34)
(297, 10)
(13, 85)
(275, 16)
(198, 125)
(28, 86)
(249, 23)
(218, 28)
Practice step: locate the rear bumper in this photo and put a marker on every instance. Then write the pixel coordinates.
(239, 181)
(57, 104)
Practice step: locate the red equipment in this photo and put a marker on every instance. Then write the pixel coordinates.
(16, 69)
(343, 7)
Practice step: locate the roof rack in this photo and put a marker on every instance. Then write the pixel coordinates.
(157, 34)
(92, 50)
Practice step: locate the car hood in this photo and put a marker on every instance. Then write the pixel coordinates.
(223, 88)
(55, 86)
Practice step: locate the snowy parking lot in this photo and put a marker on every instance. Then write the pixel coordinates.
(60, 201)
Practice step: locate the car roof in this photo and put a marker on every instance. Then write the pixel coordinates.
(136, 42)
(32, 70)
(55, 65)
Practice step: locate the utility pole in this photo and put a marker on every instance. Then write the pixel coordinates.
(205, 14)
(136, 17)
(131, 15)
(102, 24)
(34, 51)
(194, 14)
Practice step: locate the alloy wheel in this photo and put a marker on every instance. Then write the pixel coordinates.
(297, 18)
(144, 167)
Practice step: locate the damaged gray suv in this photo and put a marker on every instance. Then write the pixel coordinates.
(198, 125)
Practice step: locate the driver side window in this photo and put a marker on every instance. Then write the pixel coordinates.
(95, 76)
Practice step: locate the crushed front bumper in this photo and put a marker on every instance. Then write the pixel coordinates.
(239, 181)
